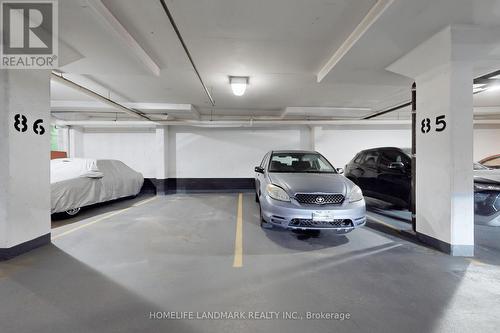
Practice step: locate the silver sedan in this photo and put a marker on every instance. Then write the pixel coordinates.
(301, 190)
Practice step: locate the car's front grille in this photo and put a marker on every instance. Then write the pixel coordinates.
(320, 199)
(308, 223)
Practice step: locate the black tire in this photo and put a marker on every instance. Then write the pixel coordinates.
(72, 212)
(256, 197)
(263, 223)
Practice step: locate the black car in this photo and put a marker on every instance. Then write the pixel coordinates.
(383, 173)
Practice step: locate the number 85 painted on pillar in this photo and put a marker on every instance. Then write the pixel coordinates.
(440, 124)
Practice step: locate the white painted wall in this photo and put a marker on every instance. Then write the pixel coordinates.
(233, 152)
(226, 153)
(136, 148)
(486, 141)
(339, 144)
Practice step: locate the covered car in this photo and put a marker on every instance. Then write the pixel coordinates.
(77, 182)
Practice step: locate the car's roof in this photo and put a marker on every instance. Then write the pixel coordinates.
(492, 157)
(386, 148)
(294, 151)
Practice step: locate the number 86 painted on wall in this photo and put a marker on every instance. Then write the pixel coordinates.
(21, 124)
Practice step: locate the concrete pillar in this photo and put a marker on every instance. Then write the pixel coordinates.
(63, 139)
(442, 70)
(307, 137)
(162, 150)
(76, 142)
(24, 161)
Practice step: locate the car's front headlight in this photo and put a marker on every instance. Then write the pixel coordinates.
(356, 194)
(277, 193)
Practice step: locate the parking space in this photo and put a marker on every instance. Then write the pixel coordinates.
(249, 166)
(176, 253)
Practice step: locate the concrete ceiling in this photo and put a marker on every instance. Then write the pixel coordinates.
(280, 44)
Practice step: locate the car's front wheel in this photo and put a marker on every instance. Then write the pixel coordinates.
(73, 212)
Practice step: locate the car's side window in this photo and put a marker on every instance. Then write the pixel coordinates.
(391, 156)
(371, 159)
(358, 158)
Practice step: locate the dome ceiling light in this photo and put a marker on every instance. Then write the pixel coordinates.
(238, 84)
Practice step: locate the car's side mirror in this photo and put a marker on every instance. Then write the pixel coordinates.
(259, 169)
(397, 166)
(340, 170)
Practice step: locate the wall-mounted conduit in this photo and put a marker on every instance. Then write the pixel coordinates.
(68, 83)
(188, 54)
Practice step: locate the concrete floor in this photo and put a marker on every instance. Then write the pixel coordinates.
(108, 268)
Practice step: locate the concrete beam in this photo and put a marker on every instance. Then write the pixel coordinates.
(373, 15)
(113, 24)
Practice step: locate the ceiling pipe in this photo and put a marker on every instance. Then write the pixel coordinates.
(248, 123)
(105, 123)
(392, 109)
(485, 78)
(68, 83)
(177, 32)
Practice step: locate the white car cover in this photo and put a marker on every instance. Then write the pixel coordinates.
(77, 182)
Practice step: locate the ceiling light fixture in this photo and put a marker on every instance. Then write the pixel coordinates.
(238, 84)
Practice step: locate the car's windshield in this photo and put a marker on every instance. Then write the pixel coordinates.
(300, 162)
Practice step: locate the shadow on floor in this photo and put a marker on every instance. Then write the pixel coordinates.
(305, 240)
(487, 244)
(487, 239)
(51, 291)
(388, 210)
(388, 287)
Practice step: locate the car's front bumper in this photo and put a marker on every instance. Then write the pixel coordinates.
(286, 215)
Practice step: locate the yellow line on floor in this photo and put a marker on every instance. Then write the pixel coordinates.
(140, 203)
(238, 242)
(476, 262)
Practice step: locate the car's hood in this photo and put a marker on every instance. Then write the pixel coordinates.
(487, 176)
(311, 182)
